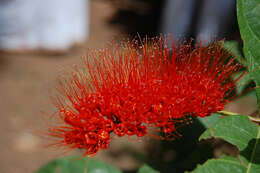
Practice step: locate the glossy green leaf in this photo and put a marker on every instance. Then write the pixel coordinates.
(241, 132)
(147, 169)
(248, 12)
(76, 165)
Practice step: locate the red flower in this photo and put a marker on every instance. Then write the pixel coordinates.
(123, 89)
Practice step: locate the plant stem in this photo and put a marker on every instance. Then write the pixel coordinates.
(226, 113)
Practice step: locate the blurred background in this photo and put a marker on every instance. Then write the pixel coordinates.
(41, 39)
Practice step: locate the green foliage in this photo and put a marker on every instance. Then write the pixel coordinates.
(248, 12)
(224, 165)
(241, 132)
(76, 165)
(243, 83)
(147, 169)
(210, 120)
(234, 49)
(238, 130)
(96, 166)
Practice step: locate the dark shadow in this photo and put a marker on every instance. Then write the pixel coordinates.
(188, 151)
(143, 21)
(179, 155)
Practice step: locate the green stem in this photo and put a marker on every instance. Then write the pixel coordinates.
(226, 113)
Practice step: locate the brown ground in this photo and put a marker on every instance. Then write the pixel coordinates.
(24, 83)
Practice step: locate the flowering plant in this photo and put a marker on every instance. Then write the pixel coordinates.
(146, 88)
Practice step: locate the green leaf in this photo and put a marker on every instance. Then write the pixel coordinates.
(49, 168)
(240, 131)
(96, 166)
(248, 12)
(242, 83)
(147, 169)
(234, 49)
(76, 165)
(224, 165)
(237, 130)
(210, 120)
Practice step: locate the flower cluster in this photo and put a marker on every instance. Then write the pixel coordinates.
(126, 88)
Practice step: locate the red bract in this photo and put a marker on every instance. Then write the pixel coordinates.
(126, 88)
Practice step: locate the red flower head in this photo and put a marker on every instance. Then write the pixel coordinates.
(125, 88)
